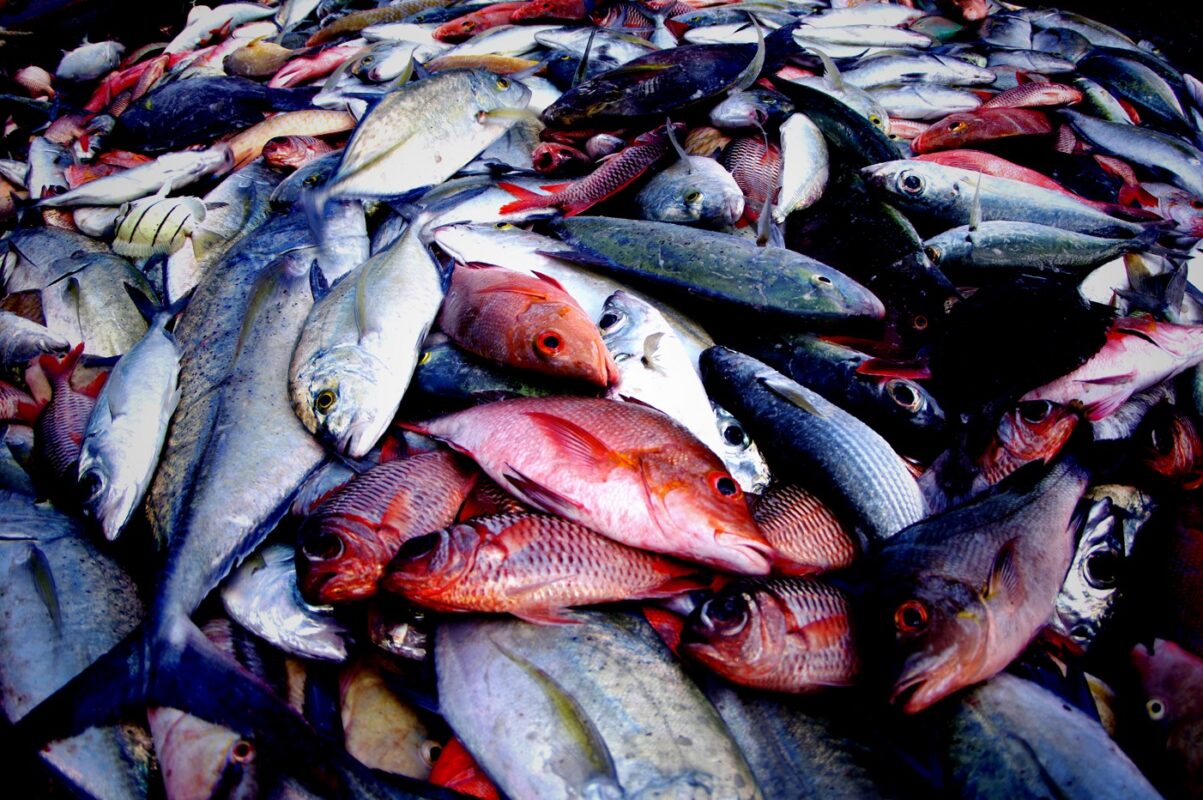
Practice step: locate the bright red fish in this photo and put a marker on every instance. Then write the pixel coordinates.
(533, 566)
(981, 125)
(467, 26)
(624, 470)
(552, 9)
(346, 543)
(803, 531)
(607, 180)
(60, 428)
(1026, 95)
(1029, 432)
(525, 322)
(17, 406)
(780, 634)
(551, 157)
(456, 769)
(294, 152)
(320, 64)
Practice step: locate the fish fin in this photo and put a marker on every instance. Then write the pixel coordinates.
(823, 632)
(831, 73)
(975, 210)
(539, 495)
(886, 368)
(638, 71)
(43, 581)
(674, 586)
(546, 617)
(788, 390)
(26, 303)
(547, 278)
(576, 443)
(1111, 380)
(1130, 110)
(1004, 574)
(1136, 195)
(317, 282)
(672, 138)
(526, 199)
(1104, 408)
(57, 370)
(29, 412)
(577, 257)
(93, 388)
(755, 66)
(146, 307)
(651, 347)
(582, 67)
(667, 625)
(555, 187)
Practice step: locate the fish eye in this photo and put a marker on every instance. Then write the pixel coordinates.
(724, 484)
(503, 226)
(693, 196)
(1035, 411)
(91, 483)
(418, 546)
(821, 280)
(735, 435)
(727, 614)
(549, 343)
(911, 183)
(874, 120)
(1162, 438)
(242, 751)
(1102, 569)
(919, 322)
(425, 359)
(1196, 204)
(1155, 709)
(321, 545)
(430, 752)
(325, 400)
(368, 60)
(933, 253)
(469, 25)
(904, 394)
(911, 617)
(958, 127)
(310, 180)
(609, 320)
(503, 84)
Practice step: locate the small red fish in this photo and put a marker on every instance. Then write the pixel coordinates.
(1026, 95)
(60, 428)
(622, 469)
(346, 543)
(907, 129)
(780, 634)
(319, 65)
(805, 534)
(1139, 353)
(294, 152)
(526, 322)
(118, 82)
(981, 125)
(469, 25)
(36, 81)
(551, 157)
(533, 566)
(457, 770)
(607, 180)
(756, 167)
(552, 9)
(79, 174)
(18, 406)
(1029, 432)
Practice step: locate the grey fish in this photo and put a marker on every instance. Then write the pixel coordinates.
(1031, 61)
(1179, 161)
(21, 340)
(885, 70)
(1012, 738)
(1006, 245)
(692, 191)
(47, 161)
(63, 604)
(235, 453)
(89, 304)
(36, 257)
(262, 596)
(832, 451)
(89, 61)
(166, 173)
(924, 101)
(600, 709)
(950, 194)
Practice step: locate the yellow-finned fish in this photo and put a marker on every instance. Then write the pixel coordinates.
(156, 225)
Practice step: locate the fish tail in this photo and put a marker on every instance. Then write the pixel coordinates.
(57, 371)
(526, 199)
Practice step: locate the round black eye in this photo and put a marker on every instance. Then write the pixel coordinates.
(91, 483)
(1035, 410)
(243, 751)
(368, 60)
(1102, 569)
(608, 320)
(1155, 708)
(728, 612)
(932, 253)
(418, 546)
(734, 435)
(726, 487)
(911, 616)
(311, 180)
(912, 184)
(431, 751)
(1162, 438)
(1080, 633)
(903, 394)
(320, 545)
(325, 400)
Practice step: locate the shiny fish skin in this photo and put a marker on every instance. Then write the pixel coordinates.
(22, 340)
(805, 534)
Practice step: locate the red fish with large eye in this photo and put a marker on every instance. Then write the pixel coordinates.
(1171, 446)
(1031, 431)
(551, 157)
(781, 634)
(346, 543)
(981, 125)
(552, 9)
(530, 565)
(624, 470)
(469, 25)
(60, 428)
(526, 322)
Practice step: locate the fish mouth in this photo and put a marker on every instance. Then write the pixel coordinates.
(924, 683)
(743, 554)
(907, 695)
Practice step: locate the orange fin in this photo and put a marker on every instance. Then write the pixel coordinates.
(93, 388)
(541, 496)
(674, 586)
(557, 616)
(887, 368)
(667, 625)
(526, 199)
(29, 412)
(823, 632)
(56, 369)
(551, 280)
(1136, 195)
(554, 187)
(577, 443)
(1133, 114)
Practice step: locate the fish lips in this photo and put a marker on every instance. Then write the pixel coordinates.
(742, 554)
(926, 679)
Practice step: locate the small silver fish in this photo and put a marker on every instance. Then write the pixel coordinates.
(693, 191)
(89, 61)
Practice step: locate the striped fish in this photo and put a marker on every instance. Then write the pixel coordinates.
(156, 225)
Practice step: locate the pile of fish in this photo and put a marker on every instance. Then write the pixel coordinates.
(630, 398)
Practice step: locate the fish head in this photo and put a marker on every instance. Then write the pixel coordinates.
(1089, 592)
(1184, 210)
(951, 132)
(341, 396)
(1170, 443)
(693, 191)
(912, 183)
(426, 566)
(739, 633)
(554, 335)
(1172, 679)
(941, 628)
(498, 91)
(340, 557)
(110, 504)
(200, 760)
(689, 492)
(740, 454)
(910, 399)
(551, 156)
(1033, 430)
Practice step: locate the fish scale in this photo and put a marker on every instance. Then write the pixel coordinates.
(807, 535)
(756, 168)
(532, 566)
(60, 428)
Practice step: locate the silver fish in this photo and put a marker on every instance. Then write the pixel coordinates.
(22, 339)
(804, 166)
(693, 191)
(166, 173)
(89, 61)
(262, 596)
